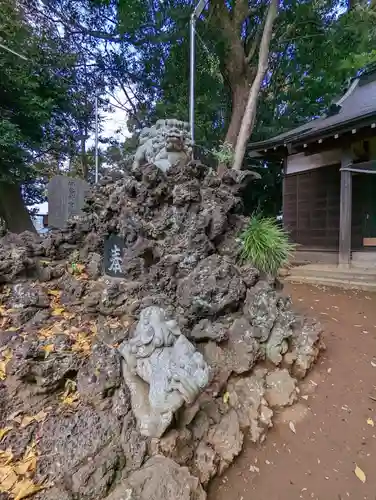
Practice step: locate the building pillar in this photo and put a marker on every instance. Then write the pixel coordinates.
(344, 257)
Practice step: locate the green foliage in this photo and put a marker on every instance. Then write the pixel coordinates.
(224, 154)
(265, 244)
(79, 48)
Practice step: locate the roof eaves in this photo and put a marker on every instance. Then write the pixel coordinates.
(311, 134)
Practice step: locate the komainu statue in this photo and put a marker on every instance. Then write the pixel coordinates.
(165, 144)
(162, 369)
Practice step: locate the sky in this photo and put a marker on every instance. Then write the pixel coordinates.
(111, 123)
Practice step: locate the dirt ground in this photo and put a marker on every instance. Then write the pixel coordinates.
(336, 401)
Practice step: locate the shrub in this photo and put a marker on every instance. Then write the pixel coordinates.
(224, 154)
(265, 244)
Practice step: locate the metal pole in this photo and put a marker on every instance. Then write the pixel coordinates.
(96, 140)
(192, 78)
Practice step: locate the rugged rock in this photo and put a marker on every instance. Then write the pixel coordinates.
(45, 374)
(226, 438)
(66, 387)
(243, 349)
(24, 296)
(260, 308)
(206, 330)
(280, 388)
(247, 397)
(94, 478)
(206, 463)
(220, 366)
(277, 343)
(73, 438)
(175, 444)
(159, 479)
(306, 346)
(214, 287)
(98, 379)
(133, 444)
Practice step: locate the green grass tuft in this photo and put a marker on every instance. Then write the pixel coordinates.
(266, 245)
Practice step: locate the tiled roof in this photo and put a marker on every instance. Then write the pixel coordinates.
(357, 103)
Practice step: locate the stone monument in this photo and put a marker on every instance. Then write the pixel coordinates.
(66, 197)
(162, 369)
(165, 144)
(113, 256)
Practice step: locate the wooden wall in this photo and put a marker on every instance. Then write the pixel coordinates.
(311, 204)
(301, 162)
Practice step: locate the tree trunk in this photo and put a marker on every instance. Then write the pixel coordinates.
(248, 120)
(239, 101)
(13, 209)
(237, 70)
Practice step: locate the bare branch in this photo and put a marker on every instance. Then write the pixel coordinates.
(253, 47)
(250, 111)
(130, 101)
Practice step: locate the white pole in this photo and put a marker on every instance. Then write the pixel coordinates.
(96, 140)
(192, 78)
(195, 15)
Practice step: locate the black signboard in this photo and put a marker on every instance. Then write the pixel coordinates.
(113, 256)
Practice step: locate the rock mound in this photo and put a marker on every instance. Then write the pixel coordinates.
(66, 412)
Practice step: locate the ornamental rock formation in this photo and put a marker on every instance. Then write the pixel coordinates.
(144, 386)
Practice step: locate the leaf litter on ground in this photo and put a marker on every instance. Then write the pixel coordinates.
(16, 477)
(360, 474)
(5, 356)
(26, 420)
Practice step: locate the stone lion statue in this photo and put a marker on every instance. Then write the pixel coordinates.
(165, 144)
(162, 369)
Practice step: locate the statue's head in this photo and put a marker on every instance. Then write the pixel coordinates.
(175, 142)
(153, 330)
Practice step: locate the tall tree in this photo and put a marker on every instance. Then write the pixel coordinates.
(43, 106)
(249, 116)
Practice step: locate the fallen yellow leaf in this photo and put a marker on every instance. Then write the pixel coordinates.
(292, 427)
(24, 466)
(82, 343)
(7, 356)
(2, 370)
(70, 395)
(68, 315)
(8, 478)
(40, 416)
(6, 456)
(28, 419)
(54, 293)
(370, 422)
(360, 474)
(29, 462)
(58, 311)
(26, 488)
(5, 431)
(226, 397)
(48, 349)
(5, 312)
(70, 399)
